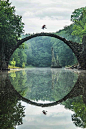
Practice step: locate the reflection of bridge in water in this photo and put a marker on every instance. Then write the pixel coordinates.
(7, 90)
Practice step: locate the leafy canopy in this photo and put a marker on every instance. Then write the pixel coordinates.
(11, 25)
(79, 19)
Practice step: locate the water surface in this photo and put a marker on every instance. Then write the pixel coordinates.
(26, 93)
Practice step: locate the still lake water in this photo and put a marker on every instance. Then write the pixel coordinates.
(25, 94)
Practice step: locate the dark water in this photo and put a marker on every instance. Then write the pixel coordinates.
(25, 94)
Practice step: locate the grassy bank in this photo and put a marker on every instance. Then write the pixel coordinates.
(15, 67)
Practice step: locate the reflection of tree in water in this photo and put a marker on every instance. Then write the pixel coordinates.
(78, 104)
(18, 80)
(79, 118)
(11, 110)
(43, 84)
(49, 84)
(63, 81)
(55, 76)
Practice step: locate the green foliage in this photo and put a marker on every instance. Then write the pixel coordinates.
(13, 63)
(77, 14)
(22, 46)
(65, 54)
(23, 65)
(79, 19)
(18, 80)
(11, 27)
(79, 108)
(39, 51)
(19, 56)
(13, 75)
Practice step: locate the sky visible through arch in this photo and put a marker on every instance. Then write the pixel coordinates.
(55, 14)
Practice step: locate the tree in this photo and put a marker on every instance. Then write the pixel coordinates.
(79, 19)
(23, 65)
(11, 27)
(13, 63)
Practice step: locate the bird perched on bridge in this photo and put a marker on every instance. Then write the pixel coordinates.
(44, 112)
(44, 27)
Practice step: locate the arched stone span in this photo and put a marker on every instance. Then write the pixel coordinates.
(78, 49)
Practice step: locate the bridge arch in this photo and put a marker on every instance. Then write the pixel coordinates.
(73, 45)
(77, 49)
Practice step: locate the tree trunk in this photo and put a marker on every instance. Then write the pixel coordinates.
(3, 62)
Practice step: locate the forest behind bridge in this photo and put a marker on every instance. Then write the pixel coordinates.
(37, 51)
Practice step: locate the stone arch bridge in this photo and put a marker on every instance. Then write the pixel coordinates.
(78, 49)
